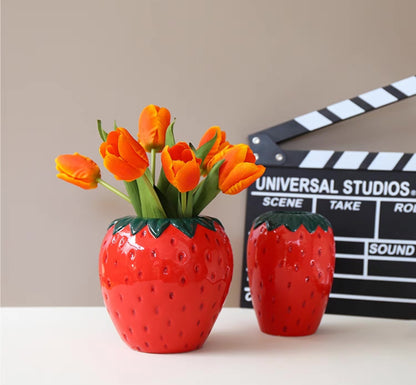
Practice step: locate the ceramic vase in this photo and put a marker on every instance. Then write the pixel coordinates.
(290, 261)
(164, 281)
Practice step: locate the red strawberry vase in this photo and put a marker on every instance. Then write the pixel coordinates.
(290, 261)
(164, 281)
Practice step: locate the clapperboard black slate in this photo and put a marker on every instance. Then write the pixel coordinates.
(370, 199)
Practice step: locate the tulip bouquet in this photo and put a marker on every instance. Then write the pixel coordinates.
(190, 178)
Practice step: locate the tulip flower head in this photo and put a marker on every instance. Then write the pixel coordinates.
(238, 170)
(181, 166)
(219, 145)
(153, 123)
(123, 156)
(78, 170)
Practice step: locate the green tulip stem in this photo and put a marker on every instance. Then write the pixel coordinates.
(113, 189)
(183, 202)
(153, 165)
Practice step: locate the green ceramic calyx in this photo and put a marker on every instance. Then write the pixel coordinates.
(157, 226)
(292, 220)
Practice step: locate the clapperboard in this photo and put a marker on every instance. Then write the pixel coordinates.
(370, 199)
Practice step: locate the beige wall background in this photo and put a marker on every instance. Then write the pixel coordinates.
(243, 65)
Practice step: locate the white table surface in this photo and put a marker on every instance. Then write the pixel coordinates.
(79, 346)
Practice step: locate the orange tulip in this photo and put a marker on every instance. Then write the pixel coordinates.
(78, 170)
(238, 170)
(219, 145)
(153, 123)
(123, 155)
(181, 166)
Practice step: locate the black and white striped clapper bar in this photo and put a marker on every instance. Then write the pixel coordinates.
(369, 197)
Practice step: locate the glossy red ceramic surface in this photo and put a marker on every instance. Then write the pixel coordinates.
(164, 294)
(290, 276)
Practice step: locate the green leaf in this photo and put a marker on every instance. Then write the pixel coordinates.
(102, 133)
(133, 193)
(168, 200)
(292, 220)
(163, 182)
(203, 151)
(150, 203)
(207, 190)
(120, 223)
(170, 138)
(168, 194)
(136, 224)
(157, 226)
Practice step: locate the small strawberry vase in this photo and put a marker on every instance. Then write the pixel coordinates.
(290, 262)
(164, 281)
